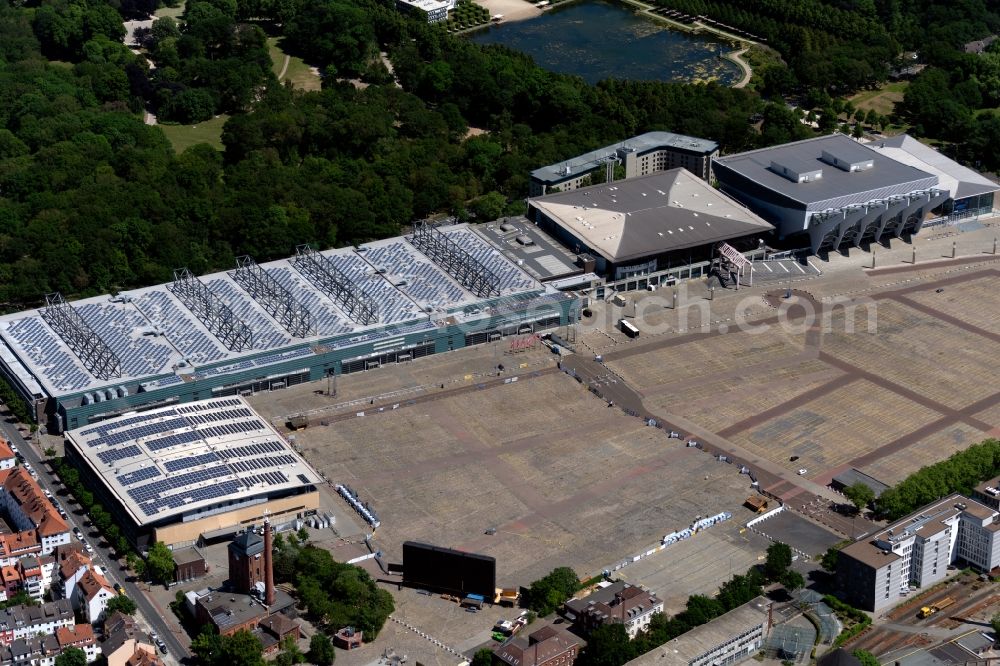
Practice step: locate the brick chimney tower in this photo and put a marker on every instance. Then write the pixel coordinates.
(268, 565)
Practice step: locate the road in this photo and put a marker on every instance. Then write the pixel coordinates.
(149, 615)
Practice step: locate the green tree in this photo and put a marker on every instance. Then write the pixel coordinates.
(701, 609)
(136, 564)
(779, 558)
(240, 649)
(546, 594)
(72, 656)
(866, 658)
(608, 645)
(792, 579)
(829, 559)
(483, 657)
(20, 598)
(488, 207)
(121, 603)
(321, 650)
(995, 623)
(290, 653)
(860, 495)
(160, 563)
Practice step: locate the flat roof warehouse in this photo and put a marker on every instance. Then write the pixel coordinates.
(183, 461)
(296, 319)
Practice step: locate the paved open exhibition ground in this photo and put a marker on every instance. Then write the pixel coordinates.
(917, 387)
(563, 479)
(445, 450)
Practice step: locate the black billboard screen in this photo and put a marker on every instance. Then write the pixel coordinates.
(449, 570)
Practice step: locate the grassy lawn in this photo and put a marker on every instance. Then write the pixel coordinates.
(174, 12)
(184, 136)
(882, 99)
(298, 72)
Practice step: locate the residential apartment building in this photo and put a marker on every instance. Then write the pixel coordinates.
(27, 508)
(124, 644)
(31, 651)
(92, 595)
(615, 603)
(641, 155)
(728, 639)
(79, 636)
(24, 621)
(36, 574)
(73, 563)
(433, 11)
(876, 572)
(7, 458)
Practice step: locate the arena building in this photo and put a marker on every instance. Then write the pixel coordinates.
(969, 193)
(647, 224)
(639, 156)
(176, 473)
(831, 191)
(263, 327)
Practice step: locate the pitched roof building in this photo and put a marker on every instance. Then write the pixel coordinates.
(545, 647)
(616, 603)
(659, 220)
(93, 594)
(28, 509)
(7, 457)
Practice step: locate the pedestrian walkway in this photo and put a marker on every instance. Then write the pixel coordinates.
(428, 637)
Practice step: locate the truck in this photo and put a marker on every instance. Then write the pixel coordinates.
(927, 611)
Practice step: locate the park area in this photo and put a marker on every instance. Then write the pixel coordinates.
(882, 99)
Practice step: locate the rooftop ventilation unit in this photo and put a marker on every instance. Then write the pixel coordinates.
(797, 171)
(848, 163)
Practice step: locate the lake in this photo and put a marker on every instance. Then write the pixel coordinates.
(598, 40)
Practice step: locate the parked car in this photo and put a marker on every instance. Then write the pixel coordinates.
(803, 471)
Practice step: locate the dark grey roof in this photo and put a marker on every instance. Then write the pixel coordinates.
(649, 215)
(839, 657)
(886, 176)
(248, 543)
(187, 555)
(852, 476)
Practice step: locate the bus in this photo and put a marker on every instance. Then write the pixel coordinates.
(628, 328)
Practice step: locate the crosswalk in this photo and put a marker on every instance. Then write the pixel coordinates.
(784, 269)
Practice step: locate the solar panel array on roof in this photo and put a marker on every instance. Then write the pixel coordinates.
(142, 474)
(162, 462)
(159, 340)
(267, 479)
(109, 457)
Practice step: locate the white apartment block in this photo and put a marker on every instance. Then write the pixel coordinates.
(876, 572)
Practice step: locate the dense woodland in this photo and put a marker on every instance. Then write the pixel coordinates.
(92, 200)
